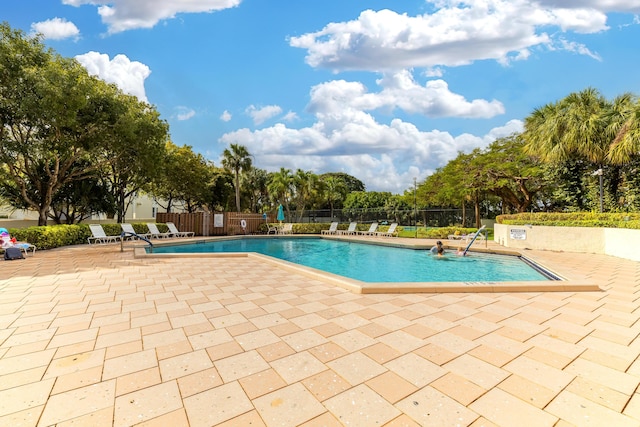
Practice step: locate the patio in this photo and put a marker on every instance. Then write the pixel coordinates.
(93, 336)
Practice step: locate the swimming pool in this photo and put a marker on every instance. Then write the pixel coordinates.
(374, 263)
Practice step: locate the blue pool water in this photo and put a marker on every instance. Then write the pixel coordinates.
(374, 263)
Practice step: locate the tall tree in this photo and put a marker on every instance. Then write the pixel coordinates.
(576, 127)
(53, 117)
(184, 178)
(236, 158)
(254, 181)
(281, 187)
(305, 185)
(135, 148)
(334, 190)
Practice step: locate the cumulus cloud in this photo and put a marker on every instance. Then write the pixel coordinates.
(290, 117)
(56, 29)
(123, 15)
(262, 114)
(185, 113)
(225, 116)
(346, 137)
(400, 91)
(456, 33)
(128, 75)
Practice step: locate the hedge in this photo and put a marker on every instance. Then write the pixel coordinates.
(55, 236)
(574, 219)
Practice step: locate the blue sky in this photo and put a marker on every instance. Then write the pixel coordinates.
(384, 90)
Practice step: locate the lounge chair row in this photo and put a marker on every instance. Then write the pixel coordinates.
(98, 234)
(467, 237)
(352, 230)
(286, 228)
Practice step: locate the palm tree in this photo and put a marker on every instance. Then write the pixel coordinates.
(306, 187)
(575, 126)
(236, 158)
(281, 187)
(334, 191)
(254, 181)
(624, 128)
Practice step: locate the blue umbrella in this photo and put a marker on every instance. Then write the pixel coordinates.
(280, 216)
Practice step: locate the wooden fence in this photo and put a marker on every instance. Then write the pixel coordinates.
(215, 224)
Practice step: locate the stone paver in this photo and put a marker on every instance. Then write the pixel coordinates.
(94, 336)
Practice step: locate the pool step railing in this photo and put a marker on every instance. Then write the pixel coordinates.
(137, 236)
(473, 240)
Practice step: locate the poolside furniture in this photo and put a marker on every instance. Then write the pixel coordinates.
(99, 236)
(132, 234)
(177, 233)
(272, 229)
(155, 233)
(371, 231)
(286, 229)
(348, 231)
(457, 236)
(390, 232)
(332, 229)
(471, 236)
(6, 241)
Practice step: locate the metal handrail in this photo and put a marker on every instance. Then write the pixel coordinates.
(137, 236)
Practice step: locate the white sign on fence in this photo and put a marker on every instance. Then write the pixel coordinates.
(518, 234)
(218, 220)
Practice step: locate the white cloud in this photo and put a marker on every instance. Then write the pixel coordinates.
(128, 75)
(345, 137)
(185, 113)
(225, 116)
(457, 33)
(123, 15)
(604, 6)
(261, 115)
(399, 90)
(56, 29)
(290, 117)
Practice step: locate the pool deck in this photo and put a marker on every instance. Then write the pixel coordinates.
(92, 336)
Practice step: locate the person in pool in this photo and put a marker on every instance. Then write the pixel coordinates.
(438, 249)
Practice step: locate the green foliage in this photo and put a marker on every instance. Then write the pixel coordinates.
(236, 159)
(59, 125)
(350, 182)
(574, 219)
(443, 232)
(55, 236)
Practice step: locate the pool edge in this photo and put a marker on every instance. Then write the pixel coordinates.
(356, 286)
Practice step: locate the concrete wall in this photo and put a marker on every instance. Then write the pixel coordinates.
(619, 242)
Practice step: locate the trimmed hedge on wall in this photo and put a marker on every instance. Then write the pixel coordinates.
(574, 219)
(55, 236)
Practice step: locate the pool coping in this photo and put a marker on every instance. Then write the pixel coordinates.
(565, 284)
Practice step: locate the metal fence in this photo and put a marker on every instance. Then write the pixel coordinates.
(421, 217)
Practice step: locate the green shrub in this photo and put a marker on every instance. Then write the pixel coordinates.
(52, 236)
(55, 236)
(574, 219)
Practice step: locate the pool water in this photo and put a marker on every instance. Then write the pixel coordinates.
(374, 263)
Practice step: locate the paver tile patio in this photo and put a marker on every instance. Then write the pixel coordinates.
(94, 336)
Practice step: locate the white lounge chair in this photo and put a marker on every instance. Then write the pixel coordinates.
(272, 228)
(371, 231)
(155, 233)
(389, 233)
(177, 233)
(131, 232)
(286, 229)
(333, 228)
(480, 236)
(99, 236)
(350, 230)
